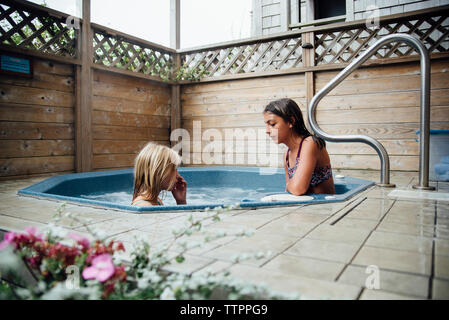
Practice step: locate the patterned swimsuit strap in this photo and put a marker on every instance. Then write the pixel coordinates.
(299, 151)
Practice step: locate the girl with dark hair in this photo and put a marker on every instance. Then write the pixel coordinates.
(310, 171)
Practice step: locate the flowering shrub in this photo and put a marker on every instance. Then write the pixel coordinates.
(99, 272)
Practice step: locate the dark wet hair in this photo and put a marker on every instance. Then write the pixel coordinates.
(287, 109)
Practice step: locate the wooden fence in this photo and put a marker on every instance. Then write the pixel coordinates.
(98, 95)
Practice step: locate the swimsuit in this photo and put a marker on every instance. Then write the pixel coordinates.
(319, 175)
(140, 201)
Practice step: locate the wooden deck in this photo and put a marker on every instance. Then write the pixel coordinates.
(320, 251)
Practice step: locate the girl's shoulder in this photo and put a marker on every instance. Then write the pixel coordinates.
(309, 143)
(141, 202)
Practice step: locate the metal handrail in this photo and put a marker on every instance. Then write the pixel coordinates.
(380, 149)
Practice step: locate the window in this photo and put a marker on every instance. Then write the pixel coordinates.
(327, 9)
(317, 12)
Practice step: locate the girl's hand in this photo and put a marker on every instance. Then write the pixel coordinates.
(179, 191)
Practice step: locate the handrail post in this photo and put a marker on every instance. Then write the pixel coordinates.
(380, 149)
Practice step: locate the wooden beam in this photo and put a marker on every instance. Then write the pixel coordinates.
(309, 62)
(176, 108)
(84, 96)
(175, 24)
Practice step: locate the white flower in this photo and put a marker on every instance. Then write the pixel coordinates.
(168, 294)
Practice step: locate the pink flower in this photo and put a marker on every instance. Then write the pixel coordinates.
(83, 241)
(9, 238)
(32, 231)
(102, 268)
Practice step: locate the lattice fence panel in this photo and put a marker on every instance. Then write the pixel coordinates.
(247, 58)
(119, 52)
(36, 30)
(343, 46)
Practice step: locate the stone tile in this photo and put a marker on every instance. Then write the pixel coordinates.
(243, 222)
(400, 242)
(290, 225)
(46, 216)
(339, 234)
(199, 238)
(305, 267)
(422, 208)
(159, 224)
(442, 232)
(323, 250)
(136, 235)
(443, 209)
(441, 247)
(410, 218)
(440, 289)
(395, 282)
(216, 267)
(357, 223)
(307, 288)
(442, 267)
(383, 295)
(371, 209)
(412, 229)
(18, 225)
(396, 260)
(272, 212)
(121, 225)
(259, 242)
(377, 193)
(326, 209)
(189, 265)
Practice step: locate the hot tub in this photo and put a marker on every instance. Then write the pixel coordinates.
(208, 187)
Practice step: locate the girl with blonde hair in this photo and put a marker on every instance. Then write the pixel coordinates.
(156, 169)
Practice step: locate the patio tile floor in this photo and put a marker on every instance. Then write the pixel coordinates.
(319, 251)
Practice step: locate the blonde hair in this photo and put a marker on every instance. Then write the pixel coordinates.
(153, 165)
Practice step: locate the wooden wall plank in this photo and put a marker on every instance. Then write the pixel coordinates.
(386, 84)
(36, 165)
(41, 81)
(292, 80)
(147, 94)
(45, 66)
(129, 120)
(245, 95)
(114, 161)
(36, 131)
(36, 148)
(359, 117)
(122, 146)
(438, 97)
(36, 96)
(130, 133)
(30, 113)
(401, 69)
(111, 104)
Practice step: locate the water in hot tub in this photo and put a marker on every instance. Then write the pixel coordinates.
(195, 195)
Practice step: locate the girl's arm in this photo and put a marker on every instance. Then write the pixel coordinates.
(300, 182)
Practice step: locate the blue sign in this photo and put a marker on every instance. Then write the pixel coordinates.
(15, 64)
